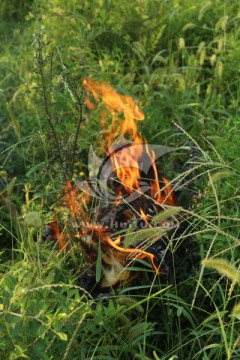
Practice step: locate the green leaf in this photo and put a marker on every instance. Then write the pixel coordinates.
(156, 356)
(35, 169)
(99, 263)
(57, 325)
(236, 311)
(138, 329)
(62, 335)
(10, 186)
(17, 353)
(42, 330)
(179, 311)
(14, 121)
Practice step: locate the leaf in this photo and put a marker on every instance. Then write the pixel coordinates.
(179, 311)
(236, 311)
(127, 301)
(139, 49)
(99, 263)
(17, 353)
(214, 316)
(14, 121)
(156, 356)
(159, 57)
(35, 169)
(139, 329)
(224, 267)
(10, 186)
(62, 335)
(42, 330)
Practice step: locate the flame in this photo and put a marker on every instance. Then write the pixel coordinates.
(117, 256)
(117, 105)
(74, 202)
(56, 233)
(124, 114)
(145, 217)
(124, 254)
(127, 169)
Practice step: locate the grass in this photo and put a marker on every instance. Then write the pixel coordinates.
(179, 61)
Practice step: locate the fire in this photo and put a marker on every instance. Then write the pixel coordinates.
(168, 197)
(124, 113)
(127, 170)
(117, 105)
(57, 233)
(127, 166)
(145, 217)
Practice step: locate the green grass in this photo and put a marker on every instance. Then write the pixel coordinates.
(180, 61)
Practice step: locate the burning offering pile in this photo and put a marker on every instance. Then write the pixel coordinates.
(126, 212)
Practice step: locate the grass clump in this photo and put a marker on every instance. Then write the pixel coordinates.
(180, 61)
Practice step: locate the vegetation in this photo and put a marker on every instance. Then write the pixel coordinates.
(180, 61)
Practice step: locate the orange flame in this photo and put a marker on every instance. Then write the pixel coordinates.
(113, 247)
(74, 204)
(145, 217)
(124, 113)
(117, 105)
(167, 197)
(126, 164)
(125, 254)
(57, 234)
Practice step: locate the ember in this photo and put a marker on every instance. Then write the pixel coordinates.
(137, 213)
